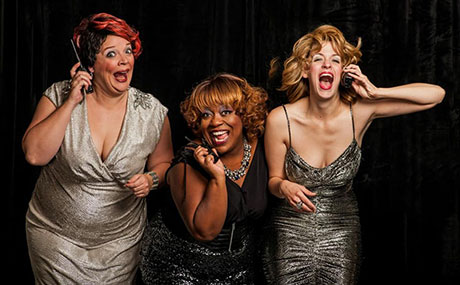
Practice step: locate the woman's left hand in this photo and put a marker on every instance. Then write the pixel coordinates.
(361, 84)
(139, 184)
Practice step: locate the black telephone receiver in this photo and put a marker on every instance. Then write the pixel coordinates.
(81, 67)
(346, 80)
(205, 145)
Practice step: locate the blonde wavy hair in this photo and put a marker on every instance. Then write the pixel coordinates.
(228, 90)
(292, 81)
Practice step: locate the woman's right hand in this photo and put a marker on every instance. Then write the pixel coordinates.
(296, 195)
(206, 161)
(80, 79)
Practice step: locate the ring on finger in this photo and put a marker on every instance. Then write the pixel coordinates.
(299, 205)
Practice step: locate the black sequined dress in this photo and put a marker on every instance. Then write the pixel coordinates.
(321, 247)
(170, 255)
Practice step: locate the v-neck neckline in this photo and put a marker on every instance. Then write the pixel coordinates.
(247, 173)
(120, 137)
(352, 143)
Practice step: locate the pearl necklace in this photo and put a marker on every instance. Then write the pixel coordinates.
(240, 172)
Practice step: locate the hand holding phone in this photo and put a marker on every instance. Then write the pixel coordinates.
(205, 145)
(346, 80)
(82, 68)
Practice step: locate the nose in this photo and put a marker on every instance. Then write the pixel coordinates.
(326, 63)
(216, 120)
(123, 59)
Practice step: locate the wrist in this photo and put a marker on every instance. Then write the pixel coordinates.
(379, 93)
(274, 186)
(69, 105)
(217, 182)
(217, 174)
(155, 180)
(218, 179)
(280, 187)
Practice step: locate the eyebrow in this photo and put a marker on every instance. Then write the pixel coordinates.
(319, 53)
(221, 107)
(109, 47)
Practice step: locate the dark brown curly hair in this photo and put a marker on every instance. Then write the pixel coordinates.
(226, 89)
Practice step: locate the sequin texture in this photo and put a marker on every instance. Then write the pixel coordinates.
(321, 247)
(169, 259)
(83, 226)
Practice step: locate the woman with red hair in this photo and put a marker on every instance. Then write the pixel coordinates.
(103, 146)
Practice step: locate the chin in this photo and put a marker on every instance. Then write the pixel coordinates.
(120, 87)
(329, 93)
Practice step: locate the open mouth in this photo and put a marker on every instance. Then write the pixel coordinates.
(325, 80)
(121, 76)
(219, 137)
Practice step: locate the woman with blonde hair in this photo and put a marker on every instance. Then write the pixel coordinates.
(207, 232)
(313, 149)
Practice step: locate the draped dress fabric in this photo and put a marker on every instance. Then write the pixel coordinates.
(83, 226)
(170, 255)
(321, 247)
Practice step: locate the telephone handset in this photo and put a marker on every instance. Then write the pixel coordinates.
(83, 68)
(205, 145)
(346, 80)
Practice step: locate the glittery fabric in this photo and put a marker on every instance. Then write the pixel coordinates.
(170, 255)
(321, 247)
(170, 259)
(83, 226)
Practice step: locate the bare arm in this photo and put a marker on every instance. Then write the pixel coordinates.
(158, 161)
(45, 133)
(394, 101)
(275, 143)
(406, 99)
(202, 203)
(276, 140)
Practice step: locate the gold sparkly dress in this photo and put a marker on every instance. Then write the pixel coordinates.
(83, 226)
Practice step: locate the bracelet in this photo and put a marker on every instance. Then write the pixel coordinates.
(155, 179)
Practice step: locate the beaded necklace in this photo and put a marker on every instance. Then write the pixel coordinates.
(240, 172)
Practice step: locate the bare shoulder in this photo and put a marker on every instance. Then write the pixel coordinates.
(176, 172)
(276, 117)
(176, 181)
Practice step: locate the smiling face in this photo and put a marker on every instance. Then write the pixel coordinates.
(324, 72)
(113, 68)
(222, 128)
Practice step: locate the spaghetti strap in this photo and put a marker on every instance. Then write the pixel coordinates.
(289, 125)
(352, 122)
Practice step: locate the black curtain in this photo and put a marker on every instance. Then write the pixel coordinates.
(409, 181)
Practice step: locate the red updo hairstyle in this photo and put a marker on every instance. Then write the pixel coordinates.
(92, 31)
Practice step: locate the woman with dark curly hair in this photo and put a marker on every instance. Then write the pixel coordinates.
(207, 232)
(101, 152)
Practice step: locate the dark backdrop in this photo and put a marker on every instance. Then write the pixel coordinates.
(408, 185)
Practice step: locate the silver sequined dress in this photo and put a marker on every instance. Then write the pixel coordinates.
(322, 247)
(83, 226)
